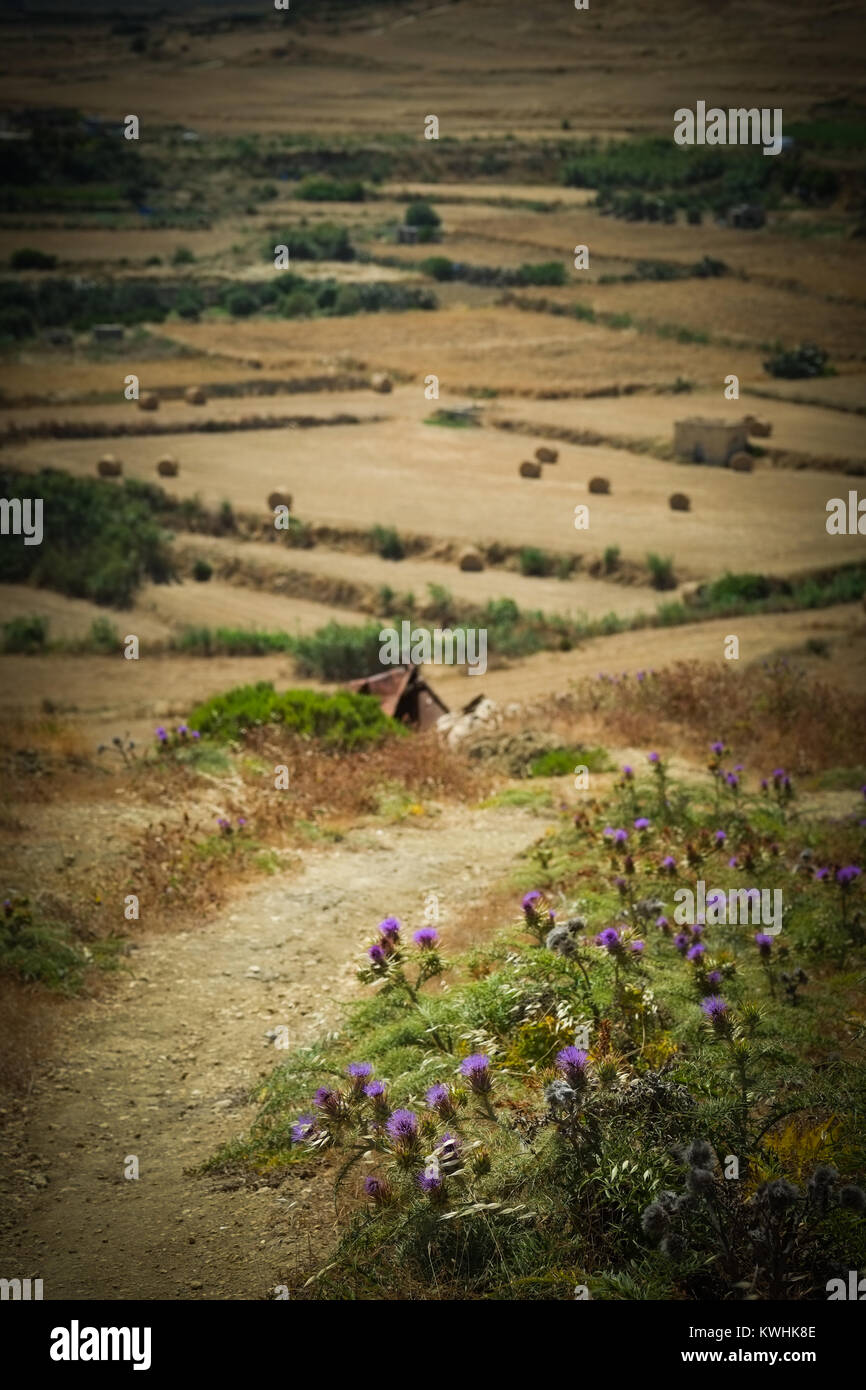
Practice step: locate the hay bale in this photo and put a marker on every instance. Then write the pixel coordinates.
(601, 485)
(382, 383)
(545, 455)
(168, 466)
(530, 469)
(471, 559)
(679, 502)
(194, 395)
(741, 462)
(109, 466)
(279, 499)
(149, 401)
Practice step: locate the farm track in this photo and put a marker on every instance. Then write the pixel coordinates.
(161, 1066)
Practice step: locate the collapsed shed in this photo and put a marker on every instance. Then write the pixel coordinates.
(404, 694)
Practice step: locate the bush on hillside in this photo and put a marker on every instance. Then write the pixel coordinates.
(341, 721)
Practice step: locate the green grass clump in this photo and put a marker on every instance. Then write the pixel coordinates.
(316, 188)
(24, 635)
(342, 721)
(561, 762)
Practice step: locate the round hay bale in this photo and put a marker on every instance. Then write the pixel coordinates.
(601, 485)
(279, 499)
(195, 395)
(679, 502)
(109, 466)
(168, 466)
(545, 455)
(471, 559)
(741, 462)
(380, 382)
(530, 469)
(149, 401)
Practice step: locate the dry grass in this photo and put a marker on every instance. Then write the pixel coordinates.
(770, 714)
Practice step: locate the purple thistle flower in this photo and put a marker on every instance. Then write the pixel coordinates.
(764, 943)
(530, 900)
(846, 876)
(183, 730)
(653, 758)
(571, 1061)
(720, 837)
(718, 747)
(627, 772)
(196, 734)
(732, 779)
(764, 784)
(376, 954)
(642, 823)
(681, 941)
(242, 820)
(330, 1101)
(378, 1189)
(609, 939)
(438, 1097)
(662, 922)
(714, 1006)
(732, 862)
(608, 832)
(476, 1070)
(426, 938)
(358, 1072)
(714, 977)
(402, 1127)
(821, 873)
(638, 946)
(696, 951)
(429, 1182)
(620, 837)
(390, 927)
(161, 734)
(374, 1089)
(303, 1128)
(669, 863)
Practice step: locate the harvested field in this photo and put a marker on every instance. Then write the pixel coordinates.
(408, 474)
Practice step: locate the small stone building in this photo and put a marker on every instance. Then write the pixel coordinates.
(409, 235)
(709, 441)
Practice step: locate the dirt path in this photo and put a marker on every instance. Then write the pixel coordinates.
(160, 1069)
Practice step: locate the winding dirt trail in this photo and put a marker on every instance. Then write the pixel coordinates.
(160, 1068)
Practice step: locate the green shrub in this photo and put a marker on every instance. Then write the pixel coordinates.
(104, 637)
(240, 303)
(25, 635)
(342, 721)
(316, 188)
(738, 588)
(103, 540)
(387, 543)
(183, 256)
(338, 653)
(421, 214)
(561, 762)
(795, 364)
(439, 267)
(611, 558)
(325, 241)
(202, 571)
(661, 571)
(545, 273)
(28, 258)
(534, 561)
